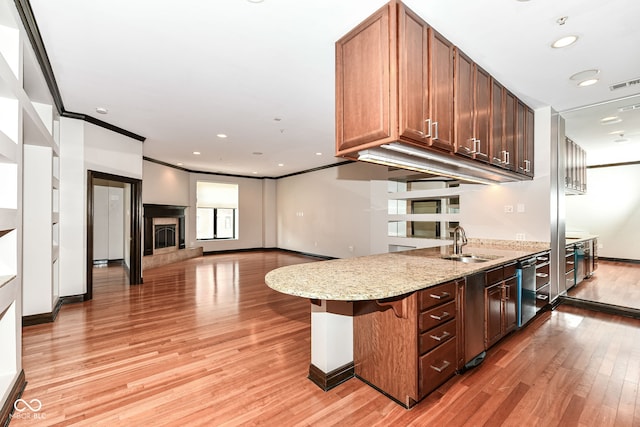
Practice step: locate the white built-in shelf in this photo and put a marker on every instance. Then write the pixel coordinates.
(6, 279)
(35, 132)
(8, 219)
(8, 149)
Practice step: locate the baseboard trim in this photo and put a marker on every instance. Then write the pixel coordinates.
(630, 261)
(16, 392)
(601, 307)
(230, 251)
(329, 380)
(74, 299)
(37, 319)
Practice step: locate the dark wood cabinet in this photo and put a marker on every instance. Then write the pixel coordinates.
(407, 347)
(441, 91)
(472, 108)
(529, 149)
(399, 80)
(501, 299)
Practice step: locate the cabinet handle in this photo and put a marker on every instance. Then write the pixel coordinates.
(507, 161)
(435, 124)
(444, 315)
(444, 335)
(570, 262)
(497, 160)
(542, 258)
(442, 367)
(542, 297)
(442, 295)
(542, 275)
(426, 135)
(527, 166)
(477, 147)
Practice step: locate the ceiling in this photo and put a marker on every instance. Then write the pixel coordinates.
(180, 73)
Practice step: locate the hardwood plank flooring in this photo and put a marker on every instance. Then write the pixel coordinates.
(616, 283)
(206, 342)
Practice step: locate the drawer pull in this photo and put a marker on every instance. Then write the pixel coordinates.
(444, 315)
(542, 275)
(444, 336)
(542, 297)
(570, 262)
(542, 258)
(442, 367)
(442, 295)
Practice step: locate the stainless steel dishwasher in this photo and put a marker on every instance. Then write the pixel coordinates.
(474, 320)
(526, 272)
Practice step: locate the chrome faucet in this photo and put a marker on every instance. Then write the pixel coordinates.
(459, 240)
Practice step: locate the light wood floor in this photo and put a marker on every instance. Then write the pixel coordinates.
(616, 283)
(205, 342)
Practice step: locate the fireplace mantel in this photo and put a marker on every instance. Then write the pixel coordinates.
(152, 211)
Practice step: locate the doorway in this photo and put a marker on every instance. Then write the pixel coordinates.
(126, 193)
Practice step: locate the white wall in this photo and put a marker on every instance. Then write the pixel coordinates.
(84, 146)
(163, 185)
(610, 210)
(329, 212)
(482, 207)
(270, 213)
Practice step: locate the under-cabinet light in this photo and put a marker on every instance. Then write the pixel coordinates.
(398, 160)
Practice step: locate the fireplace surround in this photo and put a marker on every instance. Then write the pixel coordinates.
(152, 212)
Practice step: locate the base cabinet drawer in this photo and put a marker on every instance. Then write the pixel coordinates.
(437, 295)
(436, 336)
(436, 316)
(436, 367)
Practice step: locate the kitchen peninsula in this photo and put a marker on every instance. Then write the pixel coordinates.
(396, 320)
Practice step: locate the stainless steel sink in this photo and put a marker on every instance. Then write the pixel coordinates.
(469, 257)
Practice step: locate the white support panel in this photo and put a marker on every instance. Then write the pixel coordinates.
(8, 219)
(8, 336)
(331, 335)
(9, 39)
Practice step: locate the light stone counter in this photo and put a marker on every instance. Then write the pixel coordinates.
(393, 274)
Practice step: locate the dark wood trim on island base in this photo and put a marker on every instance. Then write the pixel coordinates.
(14, 394)
(329, 380)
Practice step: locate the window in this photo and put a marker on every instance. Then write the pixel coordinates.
(217, 211)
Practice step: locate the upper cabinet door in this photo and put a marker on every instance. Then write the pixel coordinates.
(413, 76)
(441, 91)
(497, 123)
(509, 147)
(529, 141)
(482, 113)
(364, 101)
(520, 138)
(464, 105)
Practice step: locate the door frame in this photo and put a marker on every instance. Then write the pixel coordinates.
(135, 241)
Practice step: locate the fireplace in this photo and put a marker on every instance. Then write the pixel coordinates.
(163, 228)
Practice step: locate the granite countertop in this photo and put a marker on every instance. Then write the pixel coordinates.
(392, 274)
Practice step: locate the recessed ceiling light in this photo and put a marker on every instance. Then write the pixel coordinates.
(280, 164)
(318, 154)
(197, 153)
(254, 172)
(588, 82)
(616, 132)
(584, 75)
(101, 110)
(180, 163)
(221, 135)
(255, 1)
(610, 120)
(564, 41)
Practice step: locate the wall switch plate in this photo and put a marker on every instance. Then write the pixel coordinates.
(508, 208)
(520, 207)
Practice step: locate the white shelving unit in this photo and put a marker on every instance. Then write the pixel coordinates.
(10, 201)
(29, 195)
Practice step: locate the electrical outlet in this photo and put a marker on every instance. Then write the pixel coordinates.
(520, 236)
(508, 208)
(351, 248)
